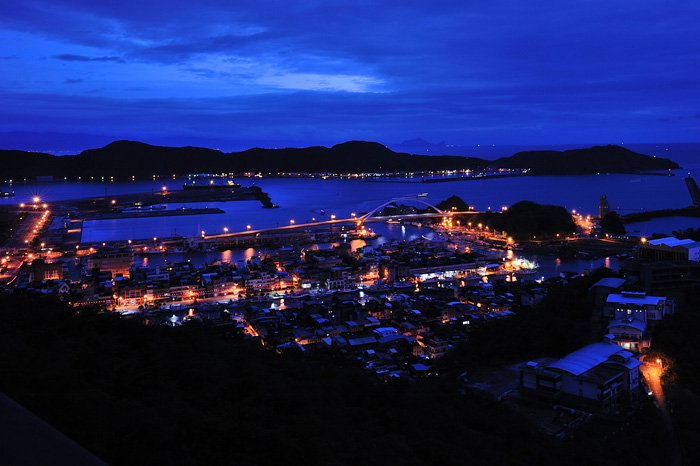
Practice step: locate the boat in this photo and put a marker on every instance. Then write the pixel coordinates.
(227, 184)
(423, 195)
(6, 194)
(140, 208)
(393, 221)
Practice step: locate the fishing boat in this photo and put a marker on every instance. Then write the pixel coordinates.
(224, 184)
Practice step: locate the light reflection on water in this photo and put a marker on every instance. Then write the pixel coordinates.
(305, 199)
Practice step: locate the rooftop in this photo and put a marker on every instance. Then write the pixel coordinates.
(588, 357)
(634, 298)
(670, 241)
(610, 282)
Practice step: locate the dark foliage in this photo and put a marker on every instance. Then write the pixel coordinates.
(688, 233)
(453, 203)
(135, 394)
(650, 214)
(612, 223)
(675, 343)
(556, 326)
(527, 219)
(8, 221)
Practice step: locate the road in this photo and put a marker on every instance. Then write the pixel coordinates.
(653, 371)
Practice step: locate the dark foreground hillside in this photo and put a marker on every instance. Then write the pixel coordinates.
(135, 394)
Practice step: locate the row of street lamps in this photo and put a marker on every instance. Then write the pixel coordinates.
(291, 223)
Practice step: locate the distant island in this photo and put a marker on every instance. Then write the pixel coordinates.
(126, 159)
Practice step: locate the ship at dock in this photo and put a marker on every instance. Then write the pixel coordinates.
(212, 185)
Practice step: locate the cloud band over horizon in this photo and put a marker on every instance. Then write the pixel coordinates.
(318, 73)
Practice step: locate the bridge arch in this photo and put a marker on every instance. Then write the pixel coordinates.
(393, 201)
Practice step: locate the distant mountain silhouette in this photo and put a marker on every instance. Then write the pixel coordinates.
(597, 159)
(122, 159)
(419, 145)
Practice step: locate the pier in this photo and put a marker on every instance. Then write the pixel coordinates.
(693, 189)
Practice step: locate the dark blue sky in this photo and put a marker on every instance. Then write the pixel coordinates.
(78, 74)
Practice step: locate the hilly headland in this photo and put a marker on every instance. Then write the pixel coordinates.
(127, 159)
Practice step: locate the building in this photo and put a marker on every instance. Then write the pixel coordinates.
(638, 305)
(669, 249)
(602, 289)
(603, 207)
(115, 260)
(632, 313)
(667, 277)
(39, 271)
(601, 378)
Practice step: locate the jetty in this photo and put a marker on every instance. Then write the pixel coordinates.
(693, 189)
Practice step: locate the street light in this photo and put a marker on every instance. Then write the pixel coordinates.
(291, 222)
(225, 229)
(247, 227)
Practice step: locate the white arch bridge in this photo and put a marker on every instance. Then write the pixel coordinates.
(301, 229)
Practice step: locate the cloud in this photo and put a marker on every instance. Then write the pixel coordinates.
(339, 70)
(82, 58)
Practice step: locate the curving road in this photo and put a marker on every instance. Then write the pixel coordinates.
(652, 371)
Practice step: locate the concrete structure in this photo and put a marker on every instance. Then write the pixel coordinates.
(603, 287)
(638, 305)
(40, 271)
(603, 207)
(632, 313)
(115, 260)
(601, 378)
(669, 249)
(668, 276)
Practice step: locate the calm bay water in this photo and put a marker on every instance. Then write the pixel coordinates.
(304, 199)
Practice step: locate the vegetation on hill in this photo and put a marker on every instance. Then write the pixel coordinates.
(612, 223)
(123, 159)
(650, 214)
(455, 203)
(675, 344)
(597, 159)
(558, 325)
(8, 221)
(527, 220)
(688, 233)
(135, 394)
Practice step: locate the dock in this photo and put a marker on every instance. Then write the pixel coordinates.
(693, 189)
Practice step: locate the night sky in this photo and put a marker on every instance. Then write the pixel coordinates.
(77, 74)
